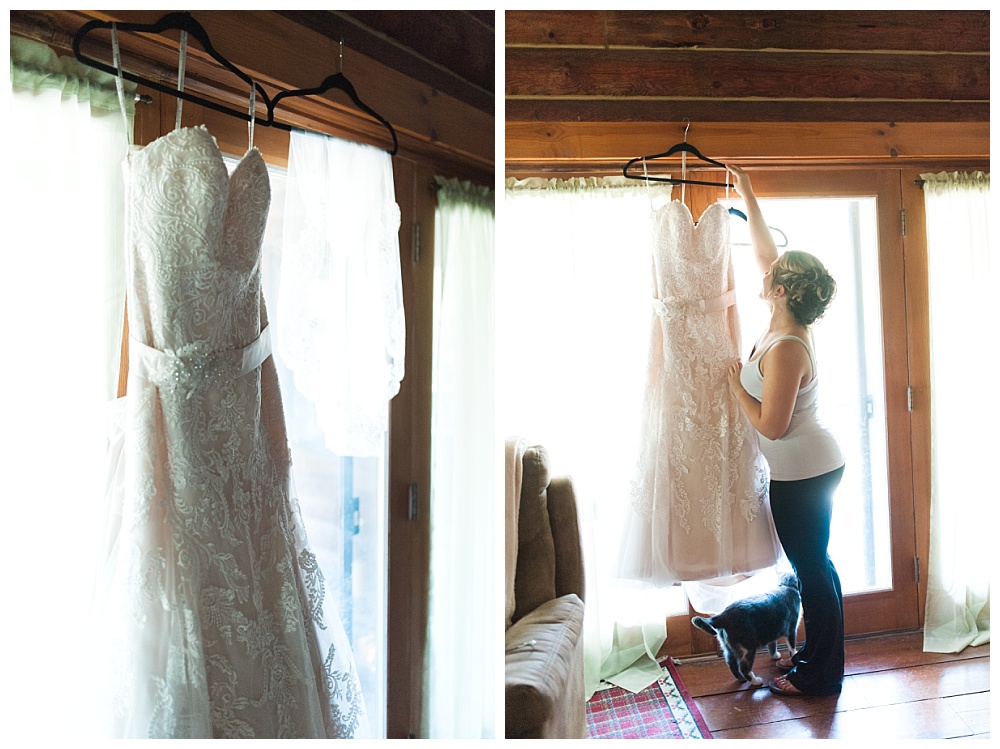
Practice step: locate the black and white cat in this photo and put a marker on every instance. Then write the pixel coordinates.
(745, 626)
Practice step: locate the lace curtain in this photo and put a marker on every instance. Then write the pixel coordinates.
(960, 262)
(341, 328)
(572, 339)
(62, 292)
(460, 679)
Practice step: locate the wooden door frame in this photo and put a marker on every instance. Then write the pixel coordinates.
(906, 362)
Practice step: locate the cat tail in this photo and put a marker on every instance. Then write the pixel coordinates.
(704, 625)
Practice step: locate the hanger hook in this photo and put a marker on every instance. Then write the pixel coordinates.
(688, 125)
(340, 59)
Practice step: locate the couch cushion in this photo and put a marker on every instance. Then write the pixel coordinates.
(512, 485)
(535, 581)
(542, 657)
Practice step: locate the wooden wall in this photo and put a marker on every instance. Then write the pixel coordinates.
(588, 90)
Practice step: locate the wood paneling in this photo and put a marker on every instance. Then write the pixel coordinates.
(587, 87)
(929, 31)
(740, 75)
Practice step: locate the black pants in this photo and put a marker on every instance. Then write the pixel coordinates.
(802, 513)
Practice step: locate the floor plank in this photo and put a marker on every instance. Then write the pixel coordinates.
(925, 682)
(892, 690)
(927, 719)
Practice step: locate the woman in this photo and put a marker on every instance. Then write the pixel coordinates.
(777, 389)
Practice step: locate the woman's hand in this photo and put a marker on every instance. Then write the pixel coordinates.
(741, 182)
(764, 249)
(735, 386)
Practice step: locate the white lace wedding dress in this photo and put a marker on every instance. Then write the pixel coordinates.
(212, 606)
(698, 501)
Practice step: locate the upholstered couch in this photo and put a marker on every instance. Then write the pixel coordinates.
(545, 695)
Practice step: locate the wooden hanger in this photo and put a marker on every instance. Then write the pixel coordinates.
(184, 21)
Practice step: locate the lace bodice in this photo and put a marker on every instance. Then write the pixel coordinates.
(690, 260)
(196, 234)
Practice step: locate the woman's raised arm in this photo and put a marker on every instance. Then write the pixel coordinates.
(764, 248)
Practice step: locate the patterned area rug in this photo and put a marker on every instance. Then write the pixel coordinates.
(664, 710)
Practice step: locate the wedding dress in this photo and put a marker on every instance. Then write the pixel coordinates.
(213, 607)
(698, 499)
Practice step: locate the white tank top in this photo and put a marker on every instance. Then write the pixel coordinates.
(808, 448)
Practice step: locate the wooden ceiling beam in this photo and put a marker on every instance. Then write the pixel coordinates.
(674, 74)
(859, 30)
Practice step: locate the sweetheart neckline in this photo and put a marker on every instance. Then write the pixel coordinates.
(166, 137)
(694, 224)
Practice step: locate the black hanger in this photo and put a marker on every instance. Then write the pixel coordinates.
(339, 81)
(184, 21)
(181, 21)
(677, 148)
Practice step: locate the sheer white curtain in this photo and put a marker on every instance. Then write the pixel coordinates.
(62, 296)
(459, 677)
(573, 306)
(341, 324)
(962, 291)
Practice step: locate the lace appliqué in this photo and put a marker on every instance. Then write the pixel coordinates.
(342, 685)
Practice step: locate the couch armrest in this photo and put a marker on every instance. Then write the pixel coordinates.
(565, 524)
(544, 691)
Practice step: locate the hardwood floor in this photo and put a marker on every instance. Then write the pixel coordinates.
(893, 690)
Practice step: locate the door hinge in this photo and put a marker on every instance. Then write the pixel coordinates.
(909, 399)
(902, 220)
(415, 249)
(916, 568)
(411, 512)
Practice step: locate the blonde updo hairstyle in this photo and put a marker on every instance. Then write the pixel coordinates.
(809, 286)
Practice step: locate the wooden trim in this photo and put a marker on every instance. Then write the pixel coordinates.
(603, 148)
(410, 460)
(919, 365)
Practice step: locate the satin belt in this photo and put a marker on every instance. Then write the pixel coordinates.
(672, 309)
(194, 367)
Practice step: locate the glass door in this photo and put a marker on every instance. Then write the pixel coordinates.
(851, 222)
